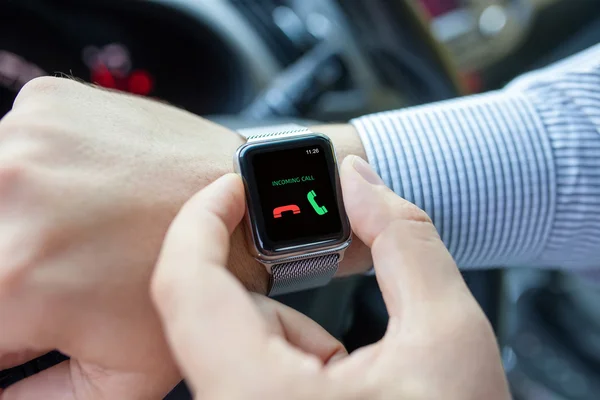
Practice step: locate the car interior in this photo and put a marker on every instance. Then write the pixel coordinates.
(249, 63)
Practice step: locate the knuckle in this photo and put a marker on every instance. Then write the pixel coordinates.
(405, 230)
(11, 177)
(43, 86)
(410, 212)
(37, 86)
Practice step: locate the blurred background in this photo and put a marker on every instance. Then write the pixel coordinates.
(252, 62)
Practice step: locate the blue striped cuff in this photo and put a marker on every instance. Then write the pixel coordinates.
(569, 106)
(481, 167)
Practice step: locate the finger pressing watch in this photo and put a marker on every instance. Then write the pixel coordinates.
(296, 223)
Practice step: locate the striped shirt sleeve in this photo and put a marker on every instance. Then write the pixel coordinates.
(509, 177)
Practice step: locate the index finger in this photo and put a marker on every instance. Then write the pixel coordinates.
(210, 320)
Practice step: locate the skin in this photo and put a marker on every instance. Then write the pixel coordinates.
(438, 343)
(89, 182)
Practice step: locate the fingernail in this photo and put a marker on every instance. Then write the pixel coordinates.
(366, 171)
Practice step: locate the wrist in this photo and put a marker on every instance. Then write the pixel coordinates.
(196, 173)
(251, 273)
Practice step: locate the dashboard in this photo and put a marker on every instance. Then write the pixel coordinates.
(141, 47)
(216, 56)
(209, 57)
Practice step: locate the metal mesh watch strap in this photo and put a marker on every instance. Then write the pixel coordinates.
(303, 274)
(273, 132)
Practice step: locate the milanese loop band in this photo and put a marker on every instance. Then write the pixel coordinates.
(305, 273)
(274, 132)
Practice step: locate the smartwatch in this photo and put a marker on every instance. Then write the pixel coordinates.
(296, 223)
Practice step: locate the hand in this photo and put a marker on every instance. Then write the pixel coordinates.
(89, 183)
(438, 344)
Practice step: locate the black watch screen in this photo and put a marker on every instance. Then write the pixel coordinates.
(294, 192)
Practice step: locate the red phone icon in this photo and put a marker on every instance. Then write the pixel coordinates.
(279, 210)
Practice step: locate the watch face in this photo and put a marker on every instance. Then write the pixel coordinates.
(294, 196)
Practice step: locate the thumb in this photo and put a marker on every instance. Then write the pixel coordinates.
(413, 267)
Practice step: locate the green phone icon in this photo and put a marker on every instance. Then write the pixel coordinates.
(311, 199)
